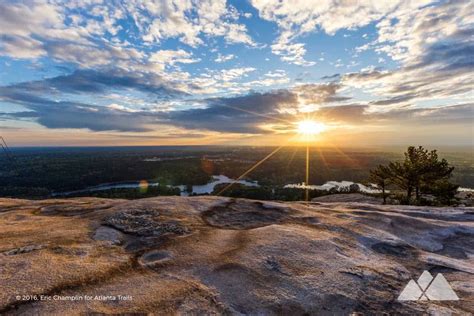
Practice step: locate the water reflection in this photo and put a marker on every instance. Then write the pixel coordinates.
(143, 185)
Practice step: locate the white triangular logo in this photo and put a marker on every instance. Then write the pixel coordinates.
(411, 292)
(440, 290)
(424, 280)
(427, 288)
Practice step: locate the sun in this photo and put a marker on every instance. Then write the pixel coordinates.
(309, 127)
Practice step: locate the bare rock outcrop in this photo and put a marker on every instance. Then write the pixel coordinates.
(214, 255)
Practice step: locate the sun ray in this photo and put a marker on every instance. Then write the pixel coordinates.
(257, 114)
(255, 166)
(307, 128)
(295, 149)
(323, 159)
(251, 169)
(353, 162)
(307, 174)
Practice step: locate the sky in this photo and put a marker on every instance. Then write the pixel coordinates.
(245, 72)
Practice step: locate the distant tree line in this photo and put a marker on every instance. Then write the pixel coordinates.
(130, 193)
(420, 175)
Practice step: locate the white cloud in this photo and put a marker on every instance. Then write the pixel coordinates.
(164, 58)
(419, 29)
(278, 73)
(219, 81)
(434, 47)
(223, 58)
(291, 53)
(120, 108)
(22, 19)
(234, 73)
(237, 33)
(432, 44)
(296, 18)
(188, 21)
(267, 82)
(32, 29)
(22, 47)
(87, 56)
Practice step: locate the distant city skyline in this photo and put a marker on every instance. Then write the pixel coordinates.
(189, 72)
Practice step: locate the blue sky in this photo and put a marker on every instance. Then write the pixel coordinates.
(235, 72)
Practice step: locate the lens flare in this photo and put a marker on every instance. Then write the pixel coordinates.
(143, 186)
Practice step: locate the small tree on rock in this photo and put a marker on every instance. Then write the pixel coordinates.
(381, 177)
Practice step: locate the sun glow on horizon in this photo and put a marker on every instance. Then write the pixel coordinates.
(310, 127)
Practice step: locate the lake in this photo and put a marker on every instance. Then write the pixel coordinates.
(197, 189)
(209, 187)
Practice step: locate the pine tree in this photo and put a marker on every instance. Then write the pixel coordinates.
(381, 177)
(420, 172)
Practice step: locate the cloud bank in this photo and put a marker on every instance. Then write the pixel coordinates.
(241, 68)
